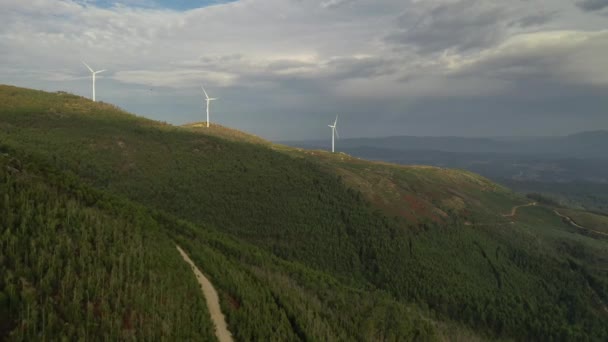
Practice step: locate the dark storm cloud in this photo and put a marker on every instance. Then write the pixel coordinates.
(367, 67)
(529, 108)
(534, 19)
(465, 24)
(592, 5)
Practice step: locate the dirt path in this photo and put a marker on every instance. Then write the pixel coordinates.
(212, 299)
(567, 218)
(571, 222)
(514, 210)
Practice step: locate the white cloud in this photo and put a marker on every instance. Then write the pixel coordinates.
(334, 3)
(174, 78)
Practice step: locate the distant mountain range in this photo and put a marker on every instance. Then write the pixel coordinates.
(581, 145)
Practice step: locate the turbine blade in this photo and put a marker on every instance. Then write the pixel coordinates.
(337, 135)
(88, 67)
(100, 71)
(207, 96)
(336, 122)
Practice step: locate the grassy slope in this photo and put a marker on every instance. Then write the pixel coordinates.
(447, 248)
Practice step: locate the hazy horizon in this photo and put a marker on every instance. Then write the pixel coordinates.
(457, 136)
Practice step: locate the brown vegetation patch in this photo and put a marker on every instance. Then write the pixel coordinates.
(233, 302)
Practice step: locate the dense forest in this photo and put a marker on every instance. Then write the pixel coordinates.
(80, 266)
(301, 245)
(83, 264)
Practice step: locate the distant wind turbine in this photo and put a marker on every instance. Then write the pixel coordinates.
(93, 73)
(334, 134)
(208, 99)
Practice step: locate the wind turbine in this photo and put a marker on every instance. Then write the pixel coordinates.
(208, 99)
(334, 134)
(93, 73)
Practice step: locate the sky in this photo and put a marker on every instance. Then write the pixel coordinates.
(283, 69)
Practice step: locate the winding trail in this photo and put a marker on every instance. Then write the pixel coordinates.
(515, 208)
(212, 299)
(564, 217)
(571, 222)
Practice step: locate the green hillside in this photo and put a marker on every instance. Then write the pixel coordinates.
(81, 264)
(306, 245)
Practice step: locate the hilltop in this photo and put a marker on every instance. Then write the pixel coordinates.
(300, 244)
(225, 133)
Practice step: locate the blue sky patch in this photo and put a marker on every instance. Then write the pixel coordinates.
(179, 5)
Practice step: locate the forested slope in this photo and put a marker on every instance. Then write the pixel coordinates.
(79, 263)
(80, 266)
(301, 233)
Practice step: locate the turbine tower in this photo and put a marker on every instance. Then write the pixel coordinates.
(93, 73)
(334, 134)
(208, 99)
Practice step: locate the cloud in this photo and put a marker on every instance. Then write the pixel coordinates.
(276, 57)
(437, 26)
(536, 19)
(592, 5)
(174, 78)
(334, 3)
(563, 56)
(463, 25)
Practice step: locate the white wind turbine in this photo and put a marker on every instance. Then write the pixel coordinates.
(93, 73)
(334, 134)
(208, 99)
